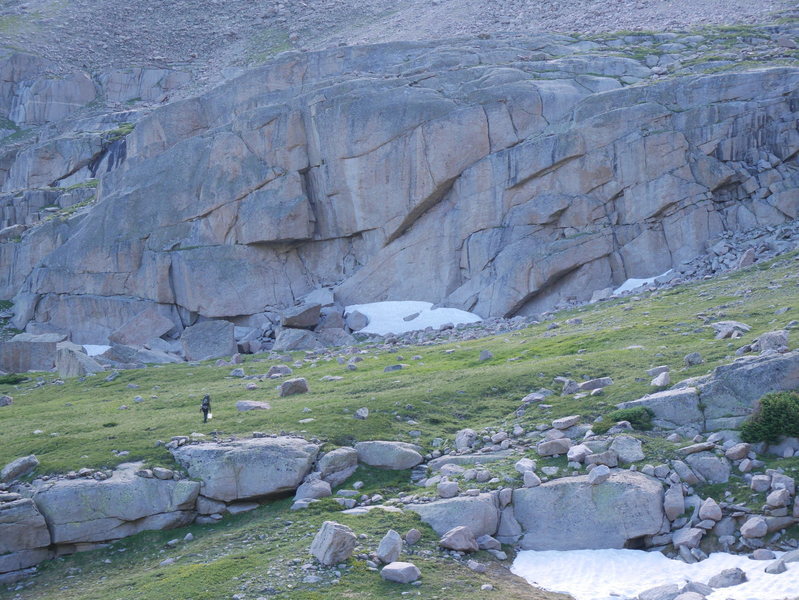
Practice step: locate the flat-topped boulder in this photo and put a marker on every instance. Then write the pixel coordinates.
(248, 469)
(572, 514)
(28, 352)
(86, 510)
(388, 455)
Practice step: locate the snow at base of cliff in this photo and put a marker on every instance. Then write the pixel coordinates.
(390, 316)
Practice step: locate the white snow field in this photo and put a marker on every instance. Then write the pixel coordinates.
(389, 317)
(620, 574)
(634, 284)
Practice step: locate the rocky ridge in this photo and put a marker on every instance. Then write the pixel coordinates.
(542, 203)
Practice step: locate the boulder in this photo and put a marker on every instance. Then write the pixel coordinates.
(388, 455)
(356, 320)
(305, 316)
(313, 488)
(333, 543)
(673, 502)
(248, 469)
(599, 474)
(22, 528)
(730, 393)
(6, 400)
(668, 591)
(479, 513)
(672, 408)
(571, 514)
(338, 465)
(247, 405)
(287, 340)
(390, 547)
(465, 439)
(291, 387)
(400, 572)
(209, 339)
(87, 510)
(18, 468)
(459, 538)
(727, 578)
(754, 527)
(27, 352)
(714, 469)
(627, 448)
(710, 509)
(72, 363)
(554, 447)
(142, 328)
(688, 537)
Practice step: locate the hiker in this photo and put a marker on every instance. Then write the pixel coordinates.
(206, 407)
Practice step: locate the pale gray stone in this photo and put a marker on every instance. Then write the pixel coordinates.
(338, 465)
(208, 339)
(18, 468)
(459, 538)
(479, 513)
(291, 387)
(388, 455)
(88, 510)
(333, 543)
(567, 513)
(247, 469)
(627, 448)
(400, 572)
(390, 546)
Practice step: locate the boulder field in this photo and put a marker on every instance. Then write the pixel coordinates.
(499, 176)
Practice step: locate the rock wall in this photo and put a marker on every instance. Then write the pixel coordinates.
(501, 177)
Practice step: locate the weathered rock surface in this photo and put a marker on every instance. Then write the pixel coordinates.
(87, 510)
(400, 572)
(570, 513)
(479, 513)
(264, 187)
(18, 467)
(333, 543)
(388, 455)
(336, 466)
(24, 536)
(70, 362)
(209, 339)
(248, 469)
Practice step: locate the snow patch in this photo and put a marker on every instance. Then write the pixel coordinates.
(95, 349)
(389, 317)
(634, 284)
(615, 574)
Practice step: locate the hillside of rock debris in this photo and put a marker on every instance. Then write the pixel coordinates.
(426, 462)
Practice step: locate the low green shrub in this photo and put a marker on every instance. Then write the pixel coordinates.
(12, 379)
(640, 417)
(776, 414)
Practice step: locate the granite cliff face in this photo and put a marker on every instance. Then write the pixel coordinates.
(497, 176)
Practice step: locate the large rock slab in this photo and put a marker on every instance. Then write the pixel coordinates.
(18, 467)
(209, 339)
(478, 513)
(388, 455)
(26, 352)
(248, 469)
(672, 408)
(74, 363)
(730, 393)
(142, 328)
(572, 514)
(22, 527)
(87, 510)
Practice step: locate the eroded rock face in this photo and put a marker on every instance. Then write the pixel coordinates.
(24, 537)
(344, 166)
(87, 510)
(572, 514)
(479, 513)
(248, 469)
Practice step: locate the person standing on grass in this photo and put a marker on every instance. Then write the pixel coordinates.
(206, 407)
